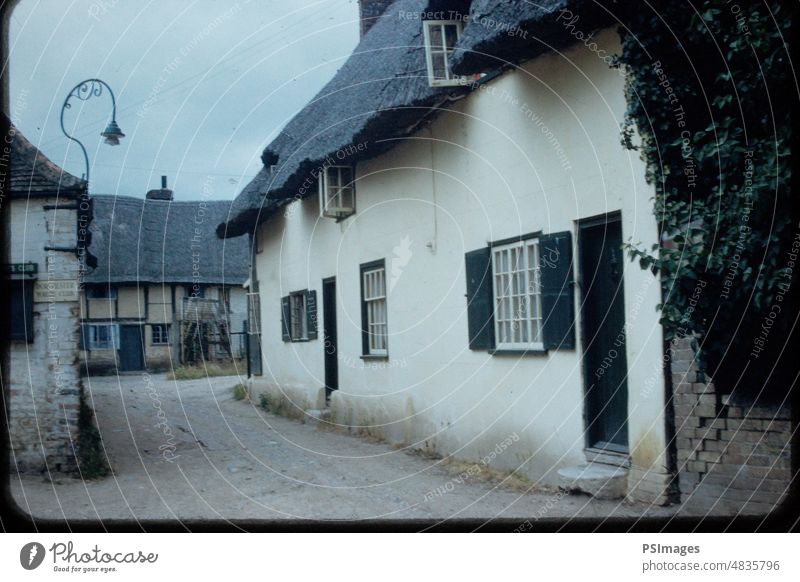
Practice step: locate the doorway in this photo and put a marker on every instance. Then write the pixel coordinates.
(604, 342)
(131, 348)
(330, 344)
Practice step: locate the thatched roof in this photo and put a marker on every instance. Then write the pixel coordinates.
(159, 241)
(382, 93)
(33, 174)
(502, 33)
(250, 207)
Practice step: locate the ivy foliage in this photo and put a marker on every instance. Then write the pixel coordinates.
(709, 91)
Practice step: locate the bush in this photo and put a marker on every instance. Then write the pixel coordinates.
(269, 403)
(239, 392)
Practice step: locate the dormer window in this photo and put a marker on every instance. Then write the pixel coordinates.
(441, 37)
(337, 192)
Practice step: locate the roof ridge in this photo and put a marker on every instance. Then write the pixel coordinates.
(137, 200)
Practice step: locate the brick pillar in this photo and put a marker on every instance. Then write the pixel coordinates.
(730, 458)
(44, 393)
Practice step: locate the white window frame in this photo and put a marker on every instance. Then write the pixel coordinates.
(298, 318)
(517, 296)
(373, 285)
(450, 79)
(112, 343)
(327, 194)
(163, 339)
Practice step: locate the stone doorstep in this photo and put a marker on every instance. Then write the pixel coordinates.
(598, 480)
(601, 457)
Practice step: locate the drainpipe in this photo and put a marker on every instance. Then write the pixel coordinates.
(431, 244)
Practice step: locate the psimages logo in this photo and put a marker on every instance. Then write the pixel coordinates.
(31, 555)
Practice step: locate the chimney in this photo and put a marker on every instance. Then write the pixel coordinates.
(163, 194)
(369, 11)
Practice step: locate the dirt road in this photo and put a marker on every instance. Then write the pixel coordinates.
(188, 450)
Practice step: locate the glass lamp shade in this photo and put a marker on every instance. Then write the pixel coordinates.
(112, 133)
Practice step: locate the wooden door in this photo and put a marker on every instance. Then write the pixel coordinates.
(131, 348)
(603, 315)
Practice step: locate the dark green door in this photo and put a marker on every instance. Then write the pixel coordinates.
(603, 315)
(131, 348)
(331, 337)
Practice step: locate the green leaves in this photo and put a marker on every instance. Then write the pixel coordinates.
(717, 153)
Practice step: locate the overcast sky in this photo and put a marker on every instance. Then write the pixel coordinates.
(202, 86)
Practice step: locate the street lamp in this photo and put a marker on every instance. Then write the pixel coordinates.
(84, 91)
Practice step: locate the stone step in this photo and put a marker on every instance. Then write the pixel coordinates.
(598, 480)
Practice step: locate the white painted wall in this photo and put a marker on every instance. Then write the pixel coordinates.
(483, 171)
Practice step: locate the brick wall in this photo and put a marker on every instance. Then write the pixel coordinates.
(44, 389)
(732, 458)
(44, 393)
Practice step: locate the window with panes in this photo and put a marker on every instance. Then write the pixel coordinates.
(441, 37)
(373, 289)
(517, 295)
(103, 336)
(337, 192)
(297, 311)
(160, 334)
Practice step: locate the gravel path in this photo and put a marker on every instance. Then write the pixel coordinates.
(188, 450)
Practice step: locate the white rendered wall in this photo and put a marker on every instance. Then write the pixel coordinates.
(536, 149)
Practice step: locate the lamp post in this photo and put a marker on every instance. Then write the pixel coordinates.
(84, 91)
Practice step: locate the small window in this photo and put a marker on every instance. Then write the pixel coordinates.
(101, 292)
(297, 309)
(160, 334)
(337, 192)
(102, 336)
(441, 37)
(517, 295)
(373, 306)
(299, 316)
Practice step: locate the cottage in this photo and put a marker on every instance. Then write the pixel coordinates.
(48, 215)
(439, 260)
(165, 289)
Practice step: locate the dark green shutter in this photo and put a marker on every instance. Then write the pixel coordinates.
(311, 314)
(286, 319)
(558, 289)
(480, 300)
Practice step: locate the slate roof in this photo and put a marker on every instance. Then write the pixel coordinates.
(33, 174)
(382, 92)
(158, 241)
